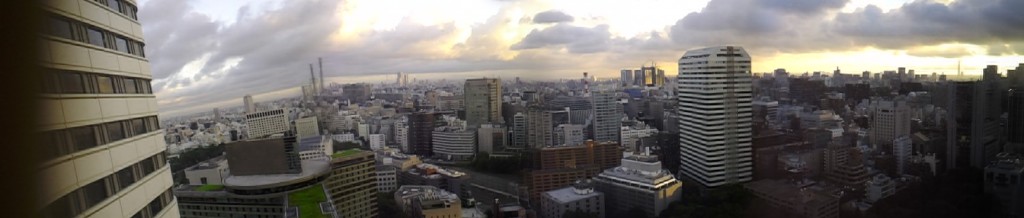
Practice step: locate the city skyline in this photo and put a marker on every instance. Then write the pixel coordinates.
(530, 39)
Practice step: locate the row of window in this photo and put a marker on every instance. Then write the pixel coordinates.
(121, 6)
(90, 195)
(701, 68)
(63, 27)
(156, 205)
(77, 82)
(66, 141)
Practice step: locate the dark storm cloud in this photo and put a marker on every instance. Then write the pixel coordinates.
(552, 16)
(574, 38)
(983, 22)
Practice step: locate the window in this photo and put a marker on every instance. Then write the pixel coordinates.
(130, 87)
(122, 44)
(140, 50)
(54, 144)
(95, 192)
(106, 85)
(49, 83)
(71, 83)
(139, 126)
(115, 131)
(202, 180)
(60, 28)
(95, 36)
(114, 4)
(63, 207)
(156, 205)
(83, 137)
(147, 166)
(125, 177)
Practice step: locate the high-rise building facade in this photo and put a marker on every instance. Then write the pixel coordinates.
(974, 132)
(519, 126)
(250, 106)
(889, 119)
(607, 116)
(482, 101)
(100, 140)
(715, 116)
(306, 127)
(539, 131)
(421, 128)
(352, 184)
(454, 143)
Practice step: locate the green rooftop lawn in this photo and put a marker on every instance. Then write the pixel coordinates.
(209, 187)
(308, 200)
(346, 153)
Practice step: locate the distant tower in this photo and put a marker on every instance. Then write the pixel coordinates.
(586, 84)
(321, 88)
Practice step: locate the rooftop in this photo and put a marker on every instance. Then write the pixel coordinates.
(212, 163)
(308, 201)
(569, 194)
(209, 187)
(346, 153)
(794, 193)
(310, 169)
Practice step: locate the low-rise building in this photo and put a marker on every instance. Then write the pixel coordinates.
(1004, 180)
(639, 182)
(880, 186)
(428, 202)
(578, 197)
(387, 178)
(802, 199)
(209, 172)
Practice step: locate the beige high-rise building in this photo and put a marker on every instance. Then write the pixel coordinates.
(483, 101)
(889, 119)
(102, 147)
(352, 184)
(264, 123)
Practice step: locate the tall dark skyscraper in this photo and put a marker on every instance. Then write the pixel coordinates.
(973, 124)
(715, 116)
(421, 129)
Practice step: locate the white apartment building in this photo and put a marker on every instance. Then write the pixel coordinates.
(715, 117)
(264, 123)
(100, 139)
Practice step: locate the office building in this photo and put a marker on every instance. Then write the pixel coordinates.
(454, 144)
(387, 178)
(263, 181)
(483, 101)
(1015, 119)
(1004, 181)
(306, 127)
(902, 150)
(519, 130)
(99, 139)
(973, 131)
(579, 197)
(626, 77)
(843, 165)
(491, 138)
(569, 135)
(880, 186)
(641, 183)
(316, 147)
(428, 202)
(540, 128)
(421, 128)
(607, 116)
(265, 123)
(557, 167)
(632, 134)
(889, 119)
(250, 106)
(352, 185)
(715, 117)
(797, 199)
(356, 93)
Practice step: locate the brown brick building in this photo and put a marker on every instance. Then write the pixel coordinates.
(558, 167)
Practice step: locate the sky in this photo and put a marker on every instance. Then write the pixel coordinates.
(210, 53)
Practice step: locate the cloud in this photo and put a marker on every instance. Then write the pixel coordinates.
(552, 16)
(925, 23)
(574, 38)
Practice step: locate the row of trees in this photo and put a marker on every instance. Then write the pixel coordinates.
(191, 157)
(500, 165)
